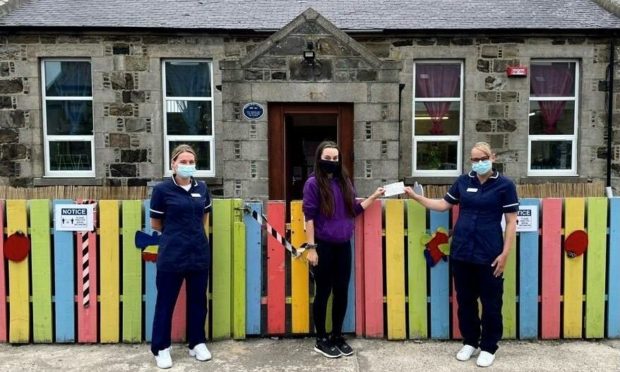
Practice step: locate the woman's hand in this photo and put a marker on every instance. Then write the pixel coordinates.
(410, 193)
(499, 264)
(312, 257)
(378, 192)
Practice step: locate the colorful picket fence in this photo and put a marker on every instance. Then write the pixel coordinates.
(258, 289)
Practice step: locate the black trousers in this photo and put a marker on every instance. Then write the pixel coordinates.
(473, 282)
(331, 275)
(168, 287)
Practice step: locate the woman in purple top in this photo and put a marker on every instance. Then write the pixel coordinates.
(329, 207)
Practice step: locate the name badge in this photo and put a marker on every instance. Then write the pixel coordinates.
(472, 189)
(195, 195)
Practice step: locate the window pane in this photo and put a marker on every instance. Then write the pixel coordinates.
(70, 156)
(69, 117)
(552, 117)
(188, 79)
(71, 78)
(552, 79)
(438, 80)
(437, 118)
(436, 155)
(203, 152)
(552, 155)
(188, 117)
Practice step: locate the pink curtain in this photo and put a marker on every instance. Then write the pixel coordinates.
(551, 81)
(437, 80)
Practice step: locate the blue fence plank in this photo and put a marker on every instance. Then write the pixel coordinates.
(613, 291)
(254, 274)
(64, 278)
(528, 279)
(440, 286)
(150, 289)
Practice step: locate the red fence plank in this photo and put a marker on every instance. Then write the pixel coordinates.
(276, 270)
(373, 270)
(360, 313)
(456, 332)
(551, 267)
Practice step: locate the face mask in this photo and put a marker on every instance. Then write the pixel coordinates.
(329, 166)
(482, 167)
(186, 171)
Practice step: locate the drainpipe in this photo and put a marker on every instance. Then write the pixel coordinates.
(610, 101)
(400, 102)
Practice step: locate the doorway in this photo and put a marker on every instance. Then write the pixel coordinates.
(295, 131)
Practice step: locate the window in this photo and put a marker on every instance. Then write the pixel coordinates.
(188, 111)
(68, 118)
(552, 138)
(437, 119)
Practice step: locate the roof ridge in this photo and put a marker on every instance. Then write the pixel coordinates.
(612, 6)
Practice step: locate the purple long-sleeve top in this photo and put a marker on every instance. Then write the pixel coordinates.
(337, 228)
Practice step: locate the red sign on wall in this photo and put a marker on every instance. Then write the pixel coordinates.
(516, 71)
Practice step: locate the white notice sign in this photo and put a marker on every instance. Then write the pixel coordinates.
(527, 218)
(74, 217)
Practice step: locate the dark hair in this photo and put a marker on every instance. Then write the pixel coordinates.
(344, 182)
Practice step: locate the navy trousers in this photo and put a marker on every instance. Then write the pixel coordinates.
(473, 282)
(168, 287)
(331, 274)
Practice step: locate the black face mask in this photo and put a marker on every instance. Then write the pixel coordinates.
(329, 166)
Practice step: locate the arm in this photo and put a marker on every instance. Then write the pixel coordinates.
(509, 237)
(312, 256)
(369, 200)
(157, 224)
(439, 205)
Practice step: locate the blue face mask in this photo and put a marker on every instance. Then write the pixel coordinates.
(186, 171)
(482, 167)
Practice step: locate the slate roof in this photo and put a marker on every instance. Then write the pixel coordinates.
(355, 15)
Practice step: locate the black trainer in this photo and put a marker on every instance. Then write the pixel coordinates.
(342, 345)
(327, 348)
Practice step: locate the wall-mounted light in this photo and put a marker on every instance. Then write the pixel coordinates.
(309, 54)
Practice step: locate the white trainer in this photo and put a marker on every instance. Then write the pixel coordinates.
(465, 353)
(163, 359)
(201, 352)
(485, 359)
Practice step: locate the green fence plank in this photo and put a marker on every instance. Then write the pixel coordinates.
(132, 272)
(41, 270)
(239, 281)
(418, 306)
(222, 268)
(596, 262)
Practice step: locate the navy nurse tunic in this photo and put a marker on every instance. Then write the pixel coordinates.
(478, 236)
(183, 245)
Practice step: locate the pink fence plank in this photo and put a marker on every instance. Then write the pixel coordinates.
(359, 276)
(276, 270)
(456, 332)
(551, 267)
(373, 270)
(179, 316)
(87, 264)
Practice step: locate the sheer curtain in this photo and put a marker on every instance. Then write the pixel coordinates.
(74, 80)
(188, 80)
(437, 80)
(551, 81)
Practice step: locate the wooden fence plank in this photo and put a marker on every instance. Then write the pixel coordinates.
(348, 324)
(132, 272)
(19, 282)
(300, 294)
(395, 269)
(222, 269)
(358, 259)
(150, 274)
(613, 289)
(551, 267)
(596, 267)
(41, 261)
(64, 300)
(373, 270)
(254, 271)
(3, 320)
(573, 271)
(87, 315)
(440, 302)
(509, 306)
(238, 271)
(416, 269)
(276, 269)
(456, 331)
(109, 271)
(528, 279)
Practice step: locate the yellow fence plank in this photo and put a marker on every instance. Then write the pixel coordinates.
(109, 260)
(596, 267)
(395, 269)
(300, 295)
(573, 271)
(19, 283)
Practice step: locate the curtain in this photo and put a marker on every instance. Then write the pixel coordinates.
(188, 80)
(437, 80)
(73, 80)
(551, 81)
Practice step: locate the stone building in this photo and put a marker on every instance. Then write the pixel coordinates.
(97, 92)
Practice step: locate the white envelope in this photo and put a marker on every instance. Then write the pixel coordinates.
(395, 188)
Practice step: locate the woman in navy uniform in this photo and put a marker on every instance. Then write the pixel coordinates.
(180, 207)
(479, 252)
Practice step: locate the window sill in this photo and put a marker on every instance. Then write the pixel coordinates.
(67, 181)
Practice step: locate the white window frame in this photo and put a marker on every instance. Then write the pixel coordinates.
(434, 138)
(551, 137)
(188, 138)
(67, 138)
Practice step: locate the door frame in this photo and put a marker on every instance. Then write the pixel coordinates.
(276, 134)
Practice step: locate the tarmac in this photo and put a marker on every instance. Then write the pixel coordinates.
(296, 354)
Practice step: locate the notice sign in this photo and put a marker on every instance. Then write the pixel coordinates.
(74, 217)
(527, 218)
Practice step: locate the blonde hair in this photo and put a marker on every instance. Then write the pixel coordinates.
(181, 149)
(484, 147)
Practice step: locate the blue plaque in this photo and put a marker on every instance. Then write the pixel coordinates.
(253, 110)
